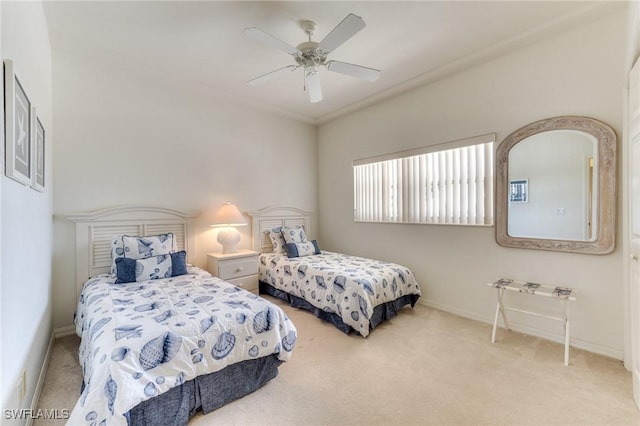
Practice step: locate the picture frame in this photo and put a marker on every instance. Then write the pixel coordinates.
(38, 153)
(2, 123)
(18, 128)
(519, 191)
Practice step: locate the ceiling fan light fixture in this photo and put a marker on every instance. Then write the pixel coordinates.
(312, 83)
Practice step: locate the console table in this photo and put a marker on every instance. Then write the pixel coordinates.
(563, 294)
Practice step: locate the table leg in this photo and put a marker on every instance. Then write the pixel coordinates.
(499, 310)
(495, 323)
(502, 310)
(567, 325)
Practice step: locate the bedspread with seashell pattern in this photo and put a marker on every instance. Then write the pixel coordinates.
(141, 339)
(349, 286)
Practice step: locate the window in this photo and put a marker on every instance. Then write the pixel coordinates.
(450, 183)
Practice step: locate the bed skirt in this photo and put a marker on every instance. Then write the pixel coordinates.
(380, 314)
(205, 393)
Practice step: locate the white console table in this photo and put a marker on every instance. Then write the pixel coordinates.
(563, 294)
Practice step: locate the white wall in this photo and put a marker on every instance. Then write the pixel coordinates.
(580, 72)
(26, 225)
(125, 136)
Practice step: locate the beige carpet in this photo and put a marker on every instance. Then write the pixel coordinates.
(423, 367)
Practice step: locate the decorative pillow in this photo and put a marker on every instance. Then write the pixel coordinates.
(277, 240)
(141, 247)
(151, 268)
(303, 249)
(117, 251)
(178, 263)
(125, 270)
(294, 234)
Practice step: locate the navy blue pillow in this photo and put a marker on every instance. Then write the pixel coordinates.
(178, 263)
(126, 268)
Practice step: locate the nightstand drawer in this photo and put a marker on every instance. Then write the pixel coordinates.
(249, 283)
(235, 268)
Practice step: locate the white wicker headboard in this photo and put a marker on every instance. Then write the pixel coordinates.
(270, 217)
(95, 230)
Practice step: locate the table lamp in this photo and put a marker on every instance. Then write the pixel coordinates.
(227, 218)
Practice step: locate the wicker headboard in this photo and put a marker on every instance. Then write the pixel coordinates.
(95, 230)
(270, 217)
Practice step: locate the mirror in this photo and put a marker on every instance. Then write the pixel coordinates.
(555, 187)
(551, 186)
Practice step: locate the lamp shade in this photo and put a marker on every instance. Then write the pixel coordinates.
(312, 80)
(229, 215)
(227, 218)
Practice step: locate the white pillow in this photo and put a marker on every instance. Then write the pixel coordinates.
(303, 249)
(277, 240)
(141, 247)
(294, 234)
(153, 268)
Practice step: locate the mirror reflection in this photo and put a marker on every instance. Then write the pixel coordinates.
(552, 181)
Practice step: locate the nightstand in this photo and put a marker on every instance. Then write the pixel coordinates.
(240, 268)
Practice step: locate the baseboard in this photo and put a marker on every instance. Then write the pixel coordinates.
(43, 374)
(533, 331)
(64, 331)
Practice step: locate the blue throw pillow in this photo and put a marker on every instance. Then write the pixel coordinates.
(178, 263)
(125, 270)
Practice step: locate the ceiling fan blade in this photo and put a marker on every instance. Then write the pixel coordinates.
(271, 75)
(341, 33)
(269, 40)
(312, 82)
(357, 71)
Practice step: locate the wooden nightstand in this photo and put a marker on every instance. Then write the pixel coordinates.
(240, 268)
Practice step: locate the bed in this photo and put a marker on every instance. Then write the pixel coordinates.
(353, 293)
(173, 341)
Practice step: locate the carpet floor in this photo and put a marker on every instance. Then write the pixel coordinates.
(424, 367)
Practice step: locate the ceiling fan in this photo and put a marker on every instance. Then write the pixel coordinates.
(311, 55)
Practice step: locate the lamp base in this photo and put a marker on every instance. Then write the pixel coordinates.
(229, 238)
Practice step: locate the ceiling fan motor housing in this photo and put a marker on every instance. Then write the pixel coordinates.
(309, 54)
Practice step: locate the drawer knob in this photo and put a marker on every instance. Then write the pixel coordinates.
(239, 269)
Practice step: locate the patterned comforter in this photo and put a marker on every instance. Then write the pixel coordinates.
(348, 286)
(141, 339)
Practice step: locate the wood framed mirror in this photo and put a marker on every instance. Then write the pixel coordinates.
(556, 186)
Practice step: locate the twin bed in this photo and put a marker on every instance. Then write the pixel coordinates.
(162, 339)
(354, 293)
(156, 351)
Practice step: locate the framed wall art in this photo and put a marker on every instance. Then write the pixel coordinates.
(18, 128)
(2, 125)
(519, 191)
(37, 148)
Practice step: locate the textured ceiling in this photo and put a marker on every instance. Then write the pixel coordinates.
(202, 43)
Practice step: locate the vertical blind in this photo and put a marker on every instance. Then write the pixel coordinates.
(449, 183)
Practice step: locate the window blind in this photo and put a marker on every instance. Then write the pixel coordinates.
(449, 183)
